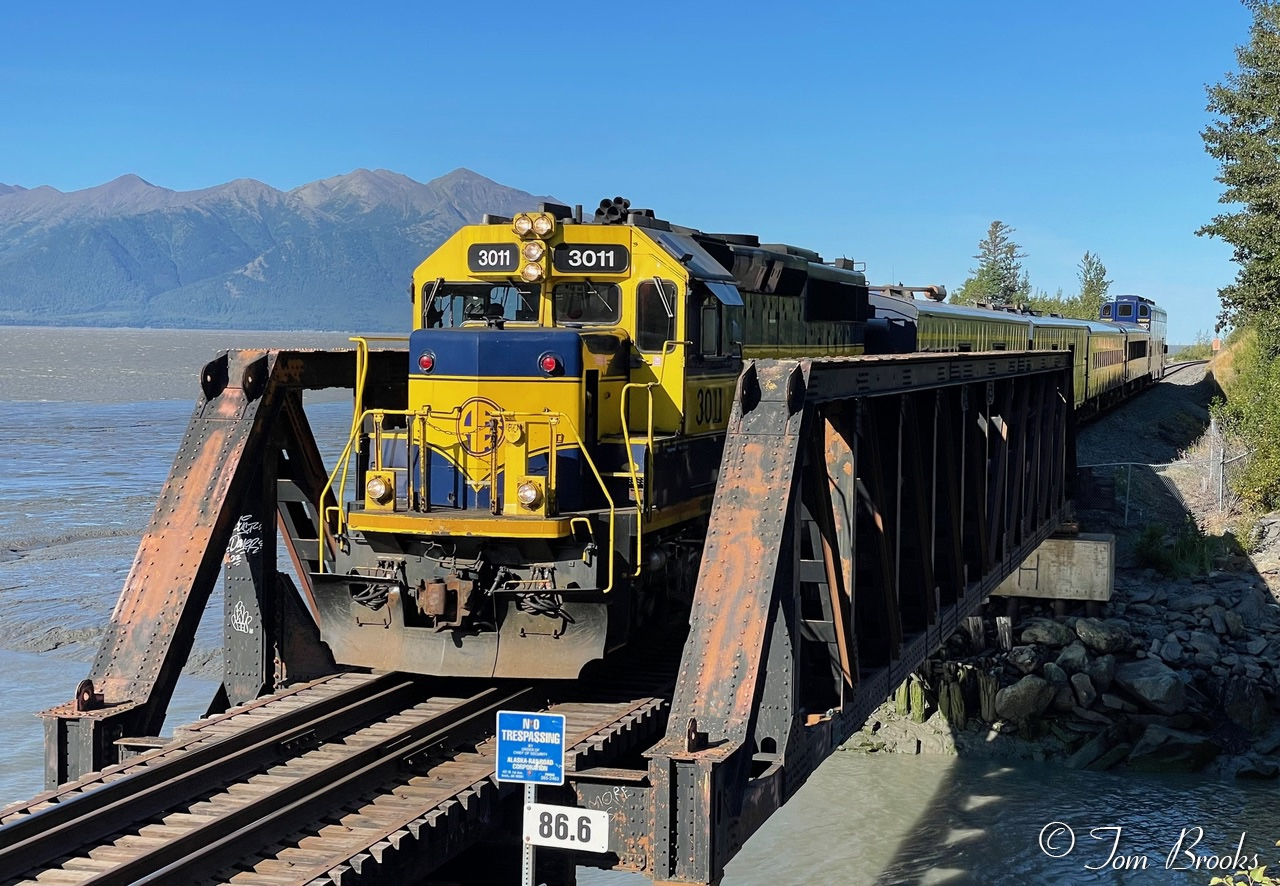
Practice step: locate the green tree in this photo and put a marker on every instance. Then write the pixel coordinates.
(999, 278)
(1093, 287)
(1245, 140)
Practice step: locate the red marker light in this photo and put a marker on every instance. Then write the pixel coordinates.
(427, 361)
(549, 363)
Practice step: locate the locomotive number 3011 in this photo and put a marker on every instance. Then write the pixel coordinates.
(578, 258)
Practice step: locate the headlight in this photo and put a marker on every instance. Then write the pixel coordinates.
(533, 251)
(378, 489)
(522, 224)
(531, 273)
(529, 495)
(543, 225)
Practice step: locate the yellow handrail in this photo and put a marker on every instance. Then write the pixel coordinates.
(577, 438)
(552, 419)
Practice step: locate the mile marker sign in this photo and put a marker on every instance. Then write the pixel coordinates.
(530, 747)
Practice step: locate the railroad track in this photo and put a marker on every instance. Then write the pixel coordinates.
(342, 780)
(1178, 367)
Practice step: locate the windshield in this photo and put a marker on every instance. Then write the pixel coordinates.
(452, 304)
(587, 302)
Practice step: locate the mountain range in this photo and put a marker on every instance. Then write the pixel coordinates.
(332, 254)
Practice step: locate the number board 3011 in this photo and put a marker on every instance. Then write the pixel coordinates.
(591, 258)
(493, 258)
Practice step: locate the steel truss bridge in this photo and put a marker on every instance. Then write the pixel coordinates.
(865, 507)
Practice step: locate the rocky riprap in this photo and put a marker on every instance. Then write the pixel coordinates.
(1180, 674)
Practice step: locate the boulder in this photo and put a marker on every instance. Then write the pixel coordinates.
(1025, 699)
(1047, 632)
(1073, 658)
(1217, 621)
(1245, 705)
(1093, 716)
(1206, 643)
(1257, 768)
(1101, 636)
(1153, 683)
(1141, 595)
(1064, 699)
(1235, 625)
(1089, 751)
(1054, 674)
(1252, 605)
(1191, 602)
(1162, 749)
(1116, 703)
(1171, 651)
(1084, 690)
(1102, 671)
(1024, 658)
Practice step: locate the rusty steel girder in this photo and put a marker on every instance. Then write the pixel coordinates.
(247, 465)
(865, 506)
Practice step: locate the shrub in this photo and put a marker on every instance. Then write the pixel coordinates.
(1250, 379)
(1190, 553)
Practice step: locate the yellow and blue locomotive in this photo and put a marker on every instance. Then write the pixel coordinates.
(544, 492)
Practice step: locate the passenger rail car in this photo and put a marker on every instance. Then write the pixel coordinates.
(543, 493)
(1112, 360)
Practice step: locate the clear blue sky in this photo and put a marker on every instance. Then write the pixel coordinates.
(891, 133)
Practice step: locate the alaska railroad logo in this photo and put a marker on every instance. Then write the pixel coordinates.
(480, 426)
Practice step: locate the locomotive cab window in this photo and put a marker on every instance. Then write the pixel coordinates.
(1125, 310)
(655, 314)
(1106, 310)
(454, 304)
(1144, 311)
(587, 302)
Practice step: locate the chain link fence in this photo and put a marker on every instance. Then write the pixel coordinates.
(1133, 494)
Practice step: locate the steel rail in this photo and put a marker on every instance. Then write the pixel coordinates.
(584, 743)
(81, 819)
(222, 841)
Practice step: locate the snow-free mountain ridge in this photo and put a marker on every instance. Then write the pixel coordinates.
(331, 254)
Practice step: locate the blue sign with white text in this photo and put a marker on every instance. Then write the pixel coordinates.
(530, 747)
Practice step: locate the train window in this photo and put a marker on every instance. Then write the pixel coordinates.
(587, 302)
(709, 328)
(1125, 310)
(655, 314)
(1106, 310)
(458, 303)
(1144, 311)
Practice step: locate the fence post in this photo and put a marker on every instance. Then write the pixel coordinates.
(1128, 490)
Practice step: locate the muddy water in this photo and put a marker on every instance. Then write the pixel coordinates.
(89, 422)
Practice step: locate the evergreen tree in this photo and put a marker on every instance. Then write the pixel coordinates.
(1245, 140)
(1093, 286)
(999, 278)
